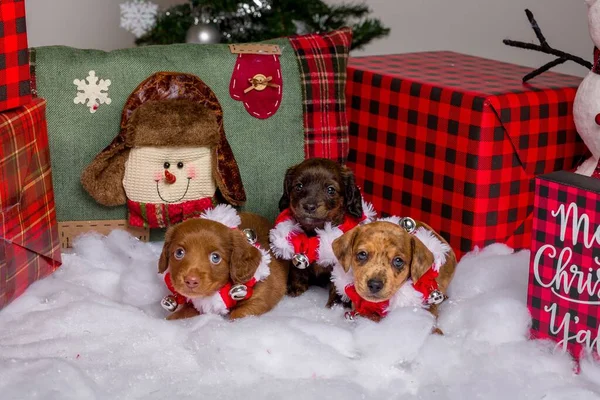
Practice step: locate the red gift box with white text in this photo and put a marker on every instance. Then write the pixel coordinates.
(564, 276)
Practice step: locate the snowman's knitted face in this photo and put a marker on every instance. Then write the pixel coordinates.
(168, 175)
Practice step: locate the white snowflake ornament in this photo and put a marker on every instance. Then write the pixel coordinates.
(138, 16)
(94, 91)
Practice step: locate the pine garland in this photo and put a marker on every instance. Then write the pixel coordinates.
(281, 18)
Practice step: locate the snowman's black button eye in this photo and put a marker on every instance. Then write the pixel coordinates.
(179, 165)
(167, 165)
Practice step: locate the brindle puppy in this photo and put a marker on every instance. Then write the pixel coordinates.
(317, 191)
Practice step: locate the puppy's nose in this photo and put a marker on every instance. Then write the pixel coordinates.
(191, 281)
(309, 207)
(375, 285)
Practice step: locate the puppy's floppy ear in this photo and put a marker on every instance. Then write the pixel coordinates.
(342, 247)
(422, 259)
(352, 195)
(284, 202)
(245, 258)
(163, 261)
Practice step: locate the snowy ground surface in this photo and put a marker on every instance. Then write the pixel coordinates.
(95, 330)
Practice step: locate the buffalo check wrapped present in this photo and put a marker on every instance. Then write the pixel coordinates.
(564, 275)
(29, 243)
(14, 55)
(456, 141)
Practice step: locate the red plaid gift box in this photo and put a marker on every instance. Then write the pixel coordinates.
(29, 243)
(564, 274)
(14, 55)
(455, 141)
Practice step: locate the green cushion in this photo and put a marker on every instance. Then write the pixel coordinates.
(263, 148)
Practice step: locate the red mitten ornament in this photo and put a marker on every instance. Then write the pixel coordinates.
(256, 79)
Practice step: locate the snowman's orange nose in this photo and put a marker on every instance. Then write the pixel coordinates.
(597, 119)
(169, 177)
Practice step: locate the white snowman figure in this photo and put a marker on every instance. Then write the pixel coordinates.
(586, 108)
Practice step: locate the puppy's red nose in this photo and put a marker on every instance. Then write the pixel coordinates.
(191, 281)
(169, 177)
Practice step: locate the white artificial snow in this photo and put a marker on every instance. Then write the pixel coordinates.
(93, 92)
(138, 16)
(95, 330)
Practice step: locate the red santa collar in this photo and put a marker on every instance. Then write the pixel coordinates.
(290, 242)
(423, 292)
(229, 295)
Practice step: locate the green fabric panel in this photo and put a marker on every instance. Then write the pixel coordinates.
(263, 148)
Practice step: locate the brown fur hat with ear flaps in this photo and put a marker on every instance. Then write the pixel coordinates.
(167, 109)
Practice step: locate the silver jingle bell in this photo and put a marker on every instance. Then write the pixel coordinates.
(169, 303)
(436, 297)
(238, 292)
(408, 224)
(251, 236)
(300, 261)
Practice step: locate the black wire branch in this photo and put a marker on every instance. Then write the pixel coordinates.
(544, 47)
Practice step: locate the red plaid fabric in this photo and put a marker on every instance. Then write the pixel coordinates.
(564, 276)
(29, 243)
(14, 57)
(323, 60)
(455, 141)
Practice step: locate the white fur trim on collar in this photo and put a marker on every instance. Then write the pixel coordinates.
(368, 211)
(341, 279)
(435, 245)
(406, 296)
(263, 270)
(212, 304)
(327, 235)
(392, 219)
(224, 214)
(278, 236)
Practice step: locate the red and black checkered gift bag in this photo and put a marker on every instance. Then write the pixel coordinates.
(456, 141)
(29, 243)
(14, 56)
(564, 275)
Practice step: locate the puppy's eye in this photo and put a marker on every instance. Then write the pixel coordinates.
(331, 190)
(362, 256)
(397, 262)
(215, 258)
(179, 253)
(167, 165)
(179, 165)
(298, 187)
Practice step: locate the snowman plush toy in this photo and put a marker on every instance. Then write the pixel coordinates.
(586, 108)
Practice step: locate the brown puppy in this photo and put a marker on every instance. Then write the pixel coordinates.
(383, 256)
(214, 255)
(318, 191)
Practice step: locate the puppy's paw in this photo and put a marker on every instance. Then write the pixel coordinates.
(335, 298)
(295, 289)
(186, 311)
